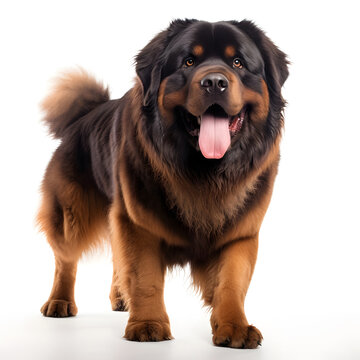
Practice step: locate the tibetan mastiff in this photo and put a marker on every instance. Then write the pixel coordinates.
(178, 171)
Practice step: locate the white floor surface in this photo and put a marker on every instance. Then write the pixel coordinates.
(100, 336)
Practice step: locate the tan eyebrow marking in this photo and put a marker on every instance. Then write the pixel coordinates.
(198, 50)
(230, 51)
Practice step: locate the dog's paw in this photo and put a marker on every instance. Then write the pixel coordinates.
(118, 304)
(148, 330)
(59, 308)
(237, 336)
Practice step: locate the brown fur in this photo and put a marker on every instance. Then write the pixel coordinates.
(198, 50)
(230, 51)
(260, 102)
(109, 177)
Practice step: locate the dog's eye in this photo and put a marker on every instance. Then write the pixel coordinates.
(189, 62)
(237, 63)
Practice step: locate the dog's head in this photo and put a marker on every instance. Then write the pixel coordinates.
(213, 89)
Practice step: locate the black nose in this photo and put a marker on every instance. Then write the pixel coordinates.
(214, 83)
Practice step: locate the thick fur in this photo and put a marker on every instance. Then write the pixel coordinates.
(132, 170)
(73, 95)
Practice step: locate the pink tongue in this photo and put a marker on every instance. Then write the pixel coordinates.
(214, 137)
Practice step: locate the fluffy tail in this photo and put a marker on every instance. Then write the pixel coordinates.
(74, 94)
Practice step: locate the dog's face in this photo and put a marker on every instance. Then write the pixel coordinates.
(215, 85)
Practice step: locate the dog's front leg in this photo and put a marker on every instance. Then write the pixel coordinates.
(141, 272)
(224, 282)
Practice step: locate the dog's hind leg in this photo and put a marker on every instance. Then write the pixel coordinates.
(73, 217)
(116, 298)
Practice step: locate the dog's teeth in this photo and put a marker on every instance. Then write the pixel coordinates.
(198, 120)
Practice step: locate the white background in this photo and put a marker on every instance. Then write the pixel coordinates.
(305, 294)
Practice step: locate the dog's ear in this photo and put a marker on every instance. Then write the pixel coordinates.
(148, 66)
(276, 63)
(151, 59)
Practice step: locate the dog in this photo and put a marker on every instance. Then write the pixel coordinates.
(180, 170)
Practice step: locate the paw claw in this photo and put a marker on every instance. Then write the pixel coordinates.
(119, 305)
(225, 342)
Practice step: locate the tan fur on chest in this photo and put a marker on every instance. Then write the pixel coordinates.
(206, 208)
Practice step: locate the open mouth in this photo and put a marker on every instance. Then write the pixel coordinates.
(215, 129)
